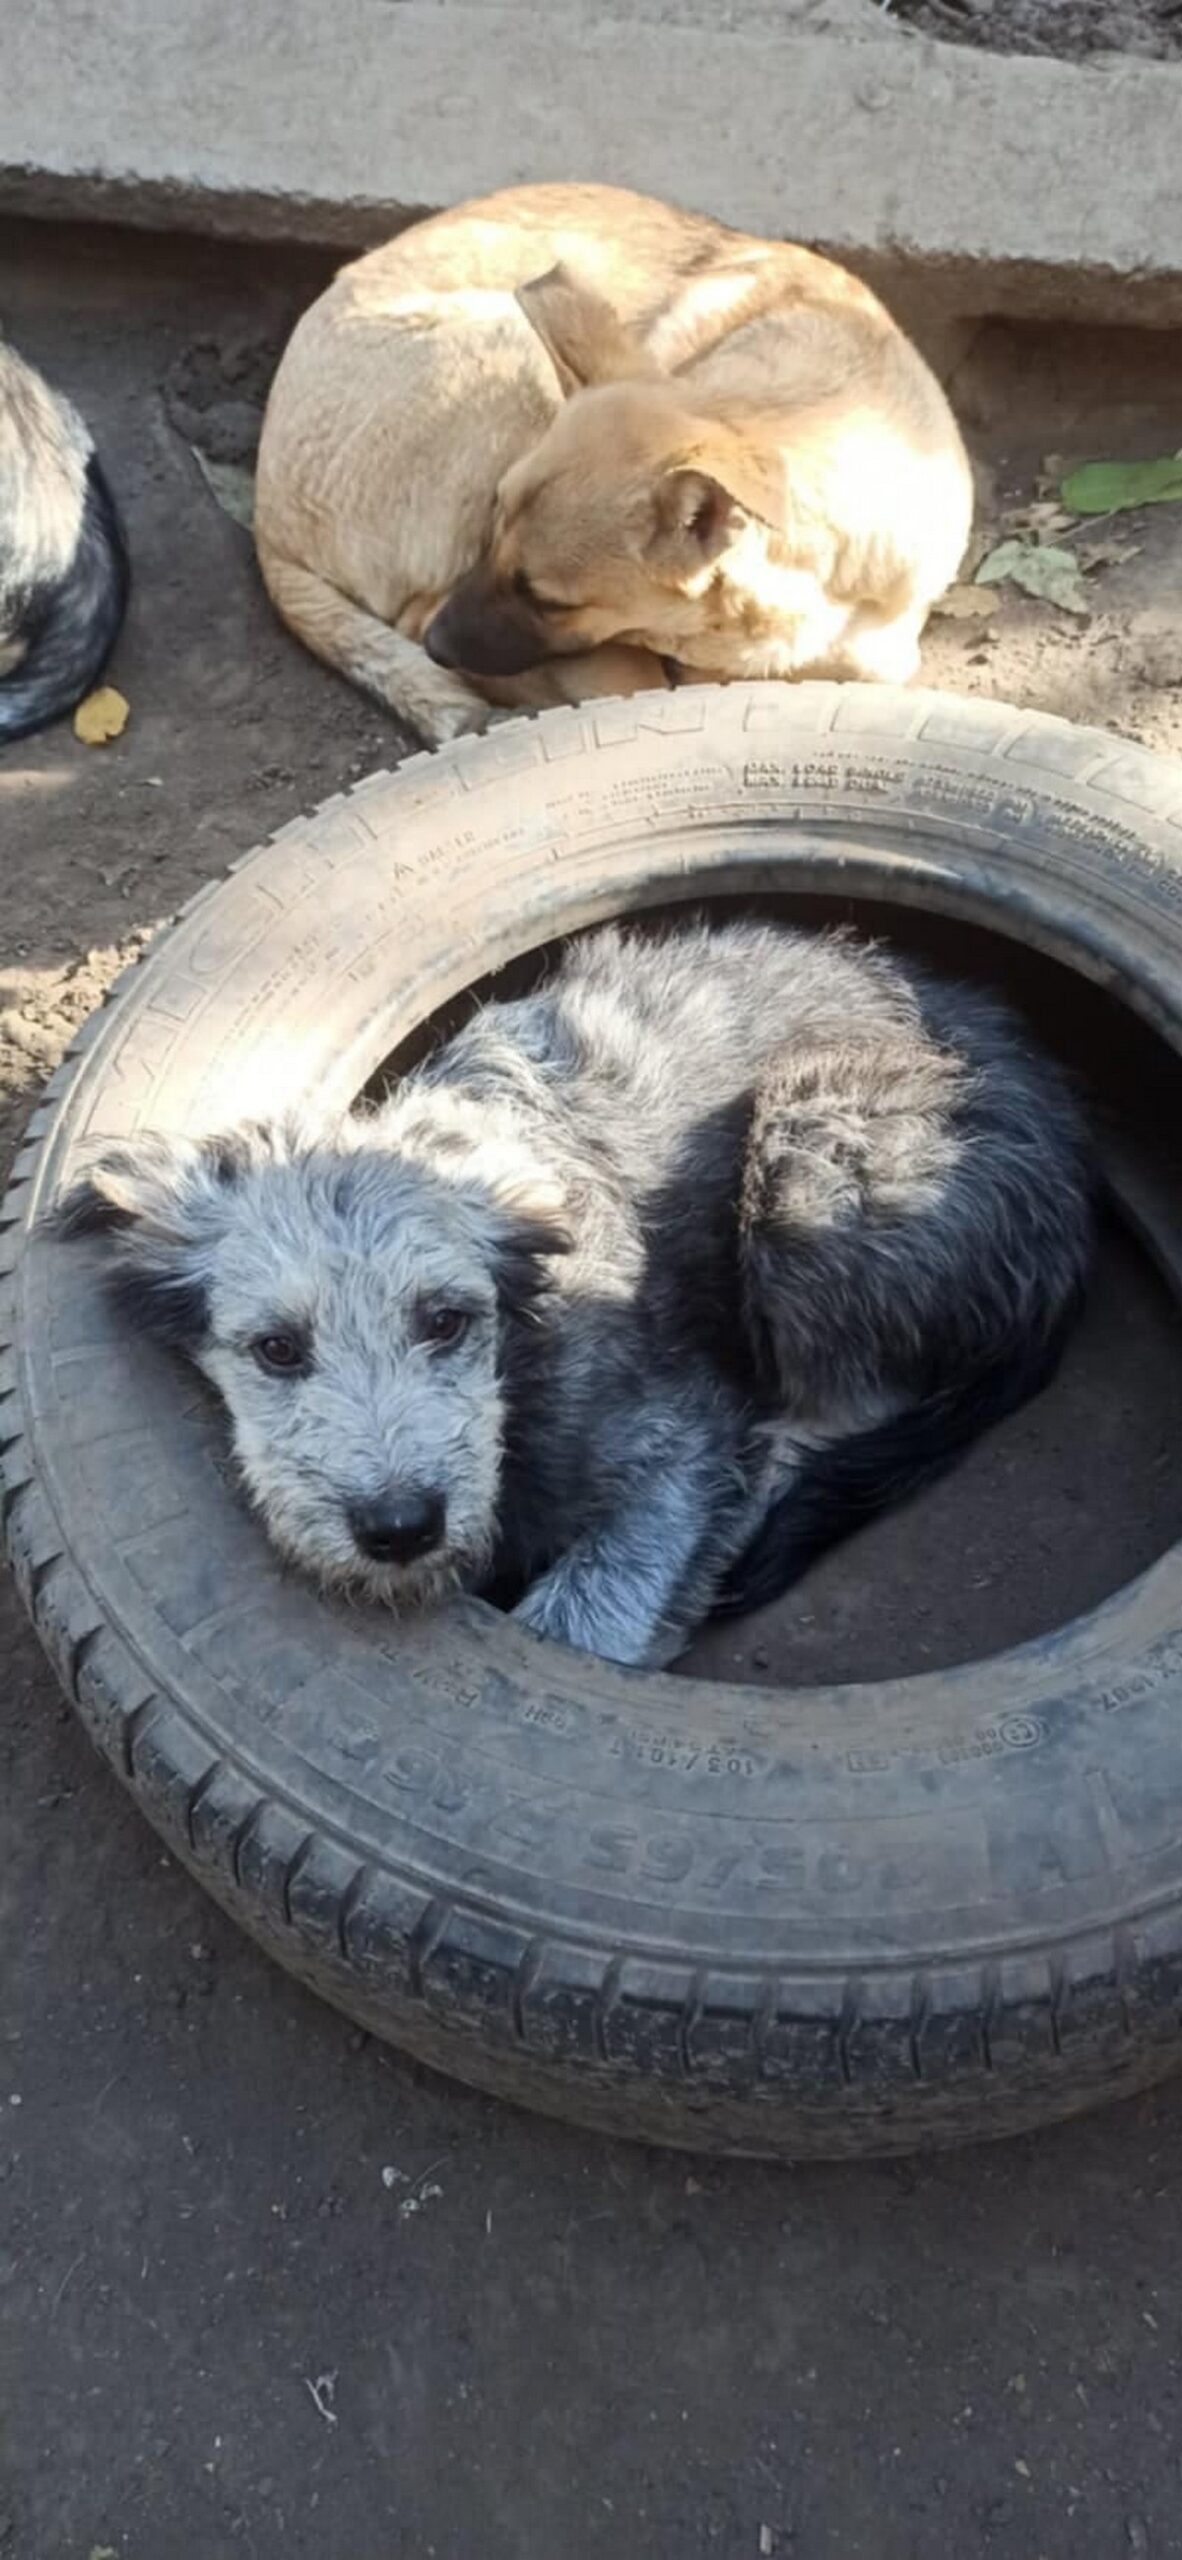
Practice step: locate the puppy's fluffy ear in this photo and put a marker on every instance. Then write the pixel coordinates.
(699, 509)
(586, 342)
(530, 1226)
(157, 1189)
(521, 1256)
(526, 1192)
(162, 1202)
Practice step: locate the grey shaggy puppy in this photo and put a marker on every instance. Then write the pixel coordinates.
(635, 1295)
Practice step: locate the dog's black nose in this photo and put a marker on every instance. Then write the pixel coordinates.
(437, 640)
(399, 1528)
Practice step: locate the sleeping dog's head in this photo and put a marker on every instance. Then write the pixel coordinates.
(355, 1307)
(620, 523)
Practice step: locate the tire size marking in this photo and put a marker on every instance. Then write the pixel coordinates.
(649, 1747)
(1011, 1733)
(707, 1861)
(1161, 1664)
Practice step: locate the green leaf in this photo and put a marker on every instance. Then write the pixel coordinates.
(1040, 570)
(1102, 488)
(231, 484)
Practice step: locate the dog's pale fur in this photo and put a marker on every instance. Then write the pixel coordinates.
(582, 443)
(638, 1293)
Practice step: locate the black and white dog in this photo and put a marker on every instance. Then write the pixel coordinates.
(639, 1292)
(64, 574)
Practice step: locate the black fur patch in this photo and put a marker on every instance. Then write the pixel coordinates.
(841, 1488)
(170, 1305)
(171, 1311)
(519, 1264)
(233, 1156)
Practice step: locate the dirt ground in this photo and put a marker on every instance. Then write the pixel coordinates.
(1070, 29)
(269, 2289)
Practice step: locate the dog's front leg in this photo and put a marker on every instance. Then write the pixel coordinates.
(636, 1589)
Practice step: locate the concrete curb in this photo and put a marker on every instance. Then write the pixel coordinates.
(997, 183)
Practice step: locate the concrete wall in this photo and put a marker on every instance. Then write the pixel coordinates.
(1009, 184)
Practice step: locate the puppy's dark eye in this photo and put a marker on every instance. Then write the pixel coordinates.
(282, 1355)
(442, 1327)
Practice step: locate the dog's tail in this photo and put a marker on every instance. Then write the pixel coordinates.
(844, 1484)
(71, 626)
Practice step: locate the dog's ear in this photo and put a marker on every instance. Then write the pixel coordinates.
(522, 1252)
(163, 1203)
(530, 1226)
(585, 339)
(159, 1190)
(701, 507)
(525, 1191)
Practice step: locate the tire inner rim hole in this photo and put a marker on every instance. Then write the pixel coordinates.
(1067, 1501)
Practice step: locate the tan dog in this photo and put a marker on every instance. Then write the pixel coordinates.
(569, 441)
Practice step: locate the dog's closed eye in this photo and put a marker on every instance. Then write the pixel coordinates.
(524, 588)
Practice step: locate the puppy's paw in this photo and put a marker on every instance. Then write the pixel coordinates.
(441, 706)
(444, 722)
(542, 1611)
(593, 1615)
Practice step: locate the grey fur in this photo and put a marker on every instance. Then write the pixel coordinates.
(752, 1229)
(64, 573)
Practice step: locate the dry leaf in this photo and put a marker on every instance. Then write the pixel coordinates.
(1042, 518)
(1040, 570)
(102, 716)
(967, 604)
(1106, 555)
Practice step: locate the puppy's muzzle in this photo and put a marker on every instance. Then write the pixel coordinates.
(399, 1528)
(485, 630)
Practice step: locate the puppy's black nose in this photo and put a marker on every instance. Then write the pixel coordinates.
(437, 640)
(400, 1527)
